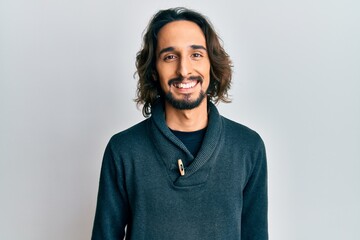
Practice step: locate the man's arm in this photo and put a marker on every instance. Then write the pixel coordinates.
(255, 206)
(112, 203)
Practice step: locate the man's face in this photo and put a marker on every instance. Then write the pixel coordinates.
(182, 64)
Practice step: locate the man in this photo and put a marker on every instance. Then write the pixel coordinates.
(185, 172)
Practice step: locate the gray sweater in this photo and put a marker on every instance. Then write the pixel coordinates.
(223, 194)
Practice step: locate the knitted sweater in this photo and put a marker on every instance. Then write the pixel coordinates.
(223, 194)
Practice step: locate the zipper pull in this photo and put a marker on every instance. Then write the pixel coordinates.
(181, 167)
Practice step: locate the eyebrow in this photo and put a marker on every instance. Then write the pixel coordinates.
(170, 49)
(195, 47)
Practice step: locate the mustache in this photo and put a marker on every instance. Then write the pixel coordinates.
(180, 79)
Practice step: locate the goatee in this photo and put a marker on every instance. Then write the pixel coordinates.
(185, 103)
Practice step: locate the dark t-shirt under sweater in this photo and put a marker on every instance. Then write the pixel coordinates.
(192, 140)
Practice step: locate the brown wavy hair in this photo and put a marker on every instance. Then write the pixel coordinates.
(149, 90)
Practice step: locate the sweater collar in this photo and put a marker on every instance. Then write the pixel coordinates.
(170, 148)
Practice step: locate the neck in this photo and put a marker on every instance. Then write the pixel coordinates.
(187, 120)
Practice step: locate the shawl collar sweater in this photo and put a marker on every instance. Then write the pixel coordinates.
(223, 194)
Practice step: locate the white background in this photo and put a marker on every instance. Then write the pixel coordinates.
(66, 86)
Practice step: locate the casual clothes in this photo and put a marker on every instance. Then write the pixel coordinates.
(223, 194)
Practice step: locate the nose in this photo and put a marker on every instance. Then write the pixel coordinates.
(184, 67)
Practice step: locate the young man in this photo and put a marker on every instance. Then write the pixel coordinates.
(185, 172)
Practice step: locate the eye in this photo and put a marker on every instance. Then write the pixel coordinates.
(169, 57)
(197, 55)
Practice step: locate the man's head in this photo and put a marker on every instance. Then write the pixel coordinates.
(182, 61)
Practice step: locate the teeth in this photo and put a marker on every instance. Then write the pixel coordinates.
(186, 85)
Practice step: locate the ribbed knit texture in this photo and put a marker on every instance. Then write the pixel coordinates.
(223, 194)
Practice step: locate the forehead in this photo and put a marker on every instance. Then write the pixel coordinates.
(180, 34)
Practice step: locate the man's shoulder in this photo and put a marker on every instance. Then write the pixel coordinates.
(131, 134)
(241, 132)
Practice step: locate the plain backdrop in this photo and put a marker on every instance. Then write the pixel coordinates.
(67, 85)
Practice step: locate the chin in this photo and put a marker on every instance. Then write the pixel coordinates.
(186, 103)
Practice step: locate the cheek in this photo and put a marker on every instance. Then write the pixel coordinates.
(205, 70)
(164, 70)
(163, 80)
(163, 84)
(205, 66)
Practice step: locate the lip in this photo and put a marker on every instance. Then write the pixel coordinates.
(180, 79)
(184, 87)
(185, 84)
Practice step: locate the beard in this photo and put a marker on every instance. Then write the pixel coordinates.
(185, 103)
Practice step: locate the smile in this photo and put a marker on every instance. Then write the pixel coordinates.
(187, 85)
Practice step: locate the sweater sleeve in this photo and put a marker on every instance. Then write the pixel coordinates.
(255, 203)
(112, 212)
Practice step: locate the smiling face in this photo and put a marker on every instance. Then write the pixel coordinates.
(182, 64)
